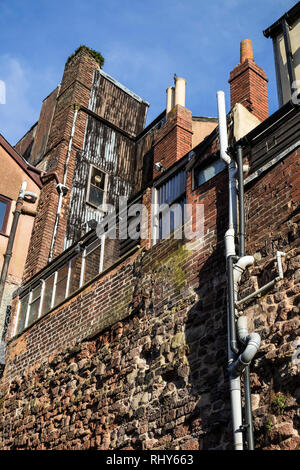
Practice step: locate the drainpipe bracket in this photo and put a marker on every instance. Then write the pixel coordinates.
(62, 189)
(244, 427)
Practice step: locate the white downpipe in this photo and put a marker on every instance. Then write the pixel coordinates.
(239, 268)
(223, 127)
(60, 198)
(70, 145)
(252, 342)
(267, 286)
(235, 398)
(227, 159)
(235, 382)
(62, 188)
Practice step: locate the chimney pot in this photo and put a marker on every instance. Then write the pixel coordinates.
(246, 50)
(180, 91)
(170, 99)
(248, 83)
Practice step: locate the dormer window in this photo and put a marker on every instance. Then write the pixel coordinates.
(96, 187)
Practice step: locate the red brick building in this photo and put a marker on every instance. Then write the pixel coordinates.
(121, 343)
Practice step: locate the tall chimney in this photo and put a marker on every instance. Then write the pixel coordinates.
(248, 83)
(174, 139)
(170, 99)
(179, 91)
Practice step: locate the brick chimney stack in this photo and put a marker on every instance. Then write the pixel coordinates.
(248, 83)
(174, 139)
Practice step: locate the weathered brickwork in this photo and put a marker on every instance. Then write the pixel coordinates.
(174, 139)
(248, 85)
(144, 380)
(138, 359)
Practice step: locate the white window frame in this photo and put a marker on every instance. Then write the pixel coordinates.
(155, 214)
(85, 254)
(17, 319)
(41, 298)
(101, 242)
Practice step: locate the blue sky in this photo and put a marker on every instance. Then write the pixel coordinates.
(144, 42)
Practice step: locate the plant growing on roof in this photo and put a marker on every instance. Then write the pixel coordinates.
(95, 54)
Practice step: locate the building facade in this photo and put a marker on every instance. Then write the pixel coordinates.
(14, 237)
(121, 342)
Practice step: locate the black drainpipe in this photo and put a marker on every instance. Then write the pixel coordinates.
(247, 388)
(232, 323)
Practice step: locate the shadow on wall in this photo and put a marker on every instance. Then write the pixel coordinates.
(206, 337)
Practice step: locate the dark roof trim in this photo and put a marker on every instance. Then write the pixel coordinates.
(28, 132)
(152, 124)
(58, 86)
(31, 171)
(267, 124)
(204, 119)
(106, 122)
(290, 16)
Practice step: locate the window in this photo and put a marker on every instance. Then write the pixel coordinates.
(5, 204)
(23, 308)
(30, 307)
(96, 187)
(75, 274)
(170, 198)
(204, 174)
(60, 284)
(47, 301)
(77, 271)
(34, 305)
(92, 260)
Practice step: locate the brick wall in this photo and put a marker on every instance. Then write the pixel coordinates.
(248, 86)
(138, 359)
(174, 139)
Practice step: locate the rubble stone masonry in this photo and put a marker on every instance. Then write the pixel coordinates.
(138, 358)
